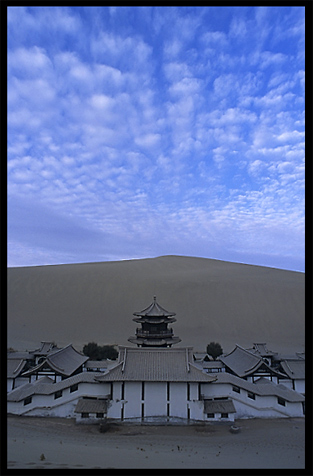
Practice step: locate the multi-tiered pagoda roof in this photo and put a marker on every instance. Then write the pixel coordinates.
(154, 331)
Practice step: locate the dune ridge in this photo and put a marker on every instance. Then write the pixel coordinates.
(213, 300)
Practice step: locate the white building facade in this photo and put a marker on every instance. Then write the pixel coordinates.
(155, 385)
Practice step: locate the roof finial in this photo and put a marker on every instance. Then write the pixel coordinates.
(154, 298)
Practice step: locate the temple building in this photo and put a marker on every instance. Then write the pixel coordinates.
(154, 331)
(153, 382)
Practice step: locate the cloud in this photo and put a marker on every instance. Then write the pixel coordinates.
(161, 133)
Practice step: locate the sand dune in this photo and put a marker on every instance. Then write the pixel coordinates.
(214, 300)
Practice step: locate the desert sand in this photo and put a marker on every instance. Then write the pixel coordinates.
(214, 301)
(261, 444)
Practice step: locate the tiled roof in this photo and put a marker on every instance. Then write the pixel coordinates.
(261, 350)
(46, 386)
(91, 405)
(97, 364)
(295, 369)
(65, 361)
(212, 364)
(219, 406)
(15, 367)
(263, 386)
(156, 365)
(20, 355)
(154, 310)
(269, 388)
(46, 348)
(244, 363)
(240, 361)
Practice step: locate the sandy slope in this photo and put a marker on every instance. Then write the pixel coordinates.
(275, 443)
(214, 300)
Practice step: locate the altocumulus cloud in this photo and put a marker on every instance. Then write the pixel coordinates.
(140, 131)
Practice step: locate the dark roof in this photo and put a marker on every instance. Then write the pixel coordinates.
(156, 365)
(15, 367)
(20, 355)
(212, 364)
(46, 348)
(46, 386)
(295, 369)
(91, 405)
(99, 364)
(262, 386)
(219, 406)
(64, 361)
(244, 363)
(262, 350)
(155, 310)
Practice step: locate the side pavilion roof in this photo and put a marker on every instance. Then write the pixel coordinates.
(244, 363)
(15, 367)
(155, 365)
(263, 387)
(65, 362)
(295, 369)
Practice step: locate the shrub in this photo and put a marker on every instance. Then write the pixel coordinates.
(214, 349)
(97, 352)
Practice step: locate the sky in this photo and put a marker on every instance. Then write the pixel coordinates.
(136, 132)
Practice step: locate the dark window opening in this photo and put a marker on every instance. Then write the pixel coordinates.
(251, 395)
(100, 415)
(27, 400)
(236, 389)
(281, 401)
(85, 415)
(224, 415)
(58, 394)
(74, 387)
(210, 415)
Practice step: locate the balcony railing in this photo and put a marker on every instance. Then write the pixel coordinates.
(161, 334)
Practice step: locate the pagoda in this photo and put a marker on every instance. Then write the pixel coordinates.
(154, 331)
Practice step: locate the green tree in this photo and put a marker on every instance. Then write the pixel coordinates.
(97, 352)
(214, 349)
(109, 352)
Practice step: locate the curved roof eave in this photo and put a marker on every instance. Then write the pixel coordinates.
(154, 310)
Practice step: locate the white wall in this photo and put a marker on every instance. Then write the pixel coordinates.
(47, 405)
(155, 399)
(300, 386)
(132, 398)
(178, 399)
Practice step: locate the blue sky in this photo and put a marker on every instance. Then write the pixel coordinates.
(136, 132)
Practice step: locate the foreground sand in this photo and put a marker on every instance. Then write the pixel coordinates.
(261, 444)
